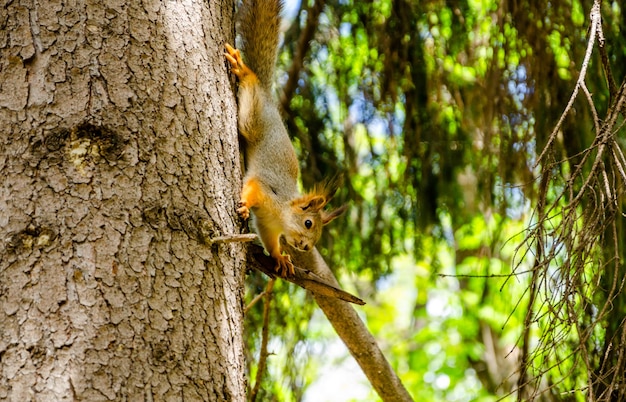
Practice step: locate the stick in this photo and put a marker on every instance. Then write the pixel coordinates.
(303, 277)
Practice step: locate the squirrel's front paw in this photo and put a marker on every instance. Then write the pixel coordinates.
(284, 266)
(243, 210)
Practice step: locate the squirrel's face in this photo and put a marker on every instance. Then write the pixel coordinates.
(304, 229)
(307, 220)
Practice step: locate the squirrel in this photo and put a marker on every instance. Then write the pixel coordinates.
(270, 188)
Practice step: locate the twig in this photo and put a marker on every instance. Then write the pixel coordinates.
(303, 277)
(302, 48)
(594, 112)
(581, 227)
(602, 138)
(606, 65)
(594, 15)
(233, 238)
(264, 339)
(253, 302)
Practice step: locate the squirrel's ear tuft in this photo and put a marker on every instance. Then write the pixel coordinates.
(316, 199)
(327, 217)
(328, 187)
(310, 202)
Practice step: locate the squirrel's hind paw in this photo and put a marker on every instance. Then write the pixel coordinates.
(233, 56)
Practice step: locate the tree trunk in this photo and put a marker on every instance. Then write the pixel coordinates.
(118, 152)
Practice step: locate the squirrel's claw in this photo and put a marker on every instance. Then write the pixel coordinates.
(243, 210)
(284, 266)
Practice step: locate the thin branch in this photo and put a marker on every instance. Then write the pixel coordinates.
(234, 238)
(487, 276)
(302, 277)
(523, 380)
(619, 161)
(606, 65)
(595, 22)
(539, 251)
(594, 112)
(264, 339)
(254, 301)
(303, 46)
(603, 138)
(354, 334)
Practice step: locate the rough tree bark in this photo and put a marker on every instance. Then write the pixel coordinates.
(117, 137)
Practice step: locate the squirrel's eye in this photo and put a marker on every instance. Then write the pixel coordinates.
(308, 223)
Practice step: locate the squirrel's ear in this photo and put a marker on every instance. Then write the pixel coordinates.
(317, 199)
(327, 217)
(310, 202)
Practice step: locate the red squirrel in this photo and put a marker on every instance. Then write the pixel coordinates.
(270, 188)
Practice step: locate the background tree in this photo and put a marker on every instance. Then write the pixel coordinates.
(118, 131)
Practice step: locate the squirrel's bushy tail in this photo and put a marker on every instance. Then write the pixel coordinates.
(259, 26)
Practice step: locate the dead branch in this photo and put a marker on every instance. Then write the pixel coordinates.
(234, 238)
(605, 63)
(303, 277)
(596, 20)
(354, 333)
(568, 229)
(264, 339)
(312, 273)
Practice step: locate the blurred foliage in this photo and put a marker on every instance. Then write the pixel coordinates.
(435, 112)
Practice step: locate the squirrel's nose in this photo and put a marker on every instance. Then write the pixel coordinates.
(306, 247)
